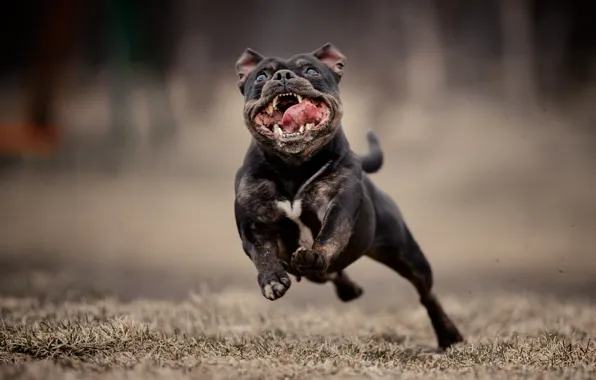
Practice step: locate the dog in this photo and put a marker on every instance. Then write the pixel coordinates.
(304, 204)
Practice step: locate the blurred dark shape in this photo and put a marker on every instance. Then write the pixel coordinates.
(39, 134)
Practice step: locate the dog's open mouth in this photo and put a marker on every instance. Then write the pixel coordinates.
(291, 116)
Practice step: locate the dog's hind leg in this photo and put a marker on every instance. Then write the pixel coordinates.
(406, 258)
(346, 289)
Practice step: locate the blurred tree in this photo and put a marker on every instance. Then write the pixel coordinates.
(140, 36)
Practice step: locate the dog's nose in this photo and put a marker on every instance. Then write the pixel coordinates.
(284, 75)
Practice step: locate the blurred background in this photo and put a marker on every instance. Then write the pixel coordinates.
(121, 130)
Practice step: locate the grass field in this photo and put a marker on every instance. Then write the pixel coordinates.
(238, 334)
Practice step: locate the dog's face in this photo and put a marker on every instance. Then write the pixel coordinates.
(292, 107)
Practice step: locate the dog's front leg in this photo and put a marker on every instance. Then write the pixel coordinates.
(336, 229)
(260, 244)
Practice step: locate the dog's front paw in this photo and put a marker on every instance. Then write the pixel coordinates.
(274, 285)
(308, 262)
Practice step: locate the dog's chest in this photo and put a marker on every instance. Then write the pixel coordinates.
(293, 211)
(300, 223)
(297, 215)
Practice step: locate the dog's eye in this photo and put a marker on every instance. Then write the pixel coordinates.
(312, 72)
(261, 78)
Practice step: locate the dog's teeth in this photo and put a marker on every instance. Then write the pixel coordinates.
(299, 98)
(277, 130)
(309, 126)
(270, 109)
(301, 128)
(288, 135)
(274, 105)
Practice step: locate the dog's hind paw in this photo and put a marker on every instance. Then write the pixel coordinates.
(348, 293)
(274, 285)
(449, 337)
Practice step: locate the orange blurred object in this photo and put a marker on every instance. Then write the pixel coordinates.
(38, 136)
(28, 140)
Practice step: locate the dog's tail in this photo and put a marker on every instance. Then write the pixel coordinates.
(372, 162)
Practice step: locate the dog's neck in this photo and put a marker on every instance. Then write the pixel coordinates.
(334, 150)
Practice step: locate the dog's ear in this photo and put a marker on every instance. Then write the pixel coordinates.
(332, 57)
(245, 65)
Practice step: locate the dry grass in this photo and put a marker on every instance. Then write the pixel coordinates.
(234, 335)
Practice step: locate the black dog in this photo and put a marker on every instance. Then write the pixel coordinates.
(304, 204)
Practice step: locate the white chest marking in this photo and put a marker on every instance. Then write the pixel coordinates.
(293, 212)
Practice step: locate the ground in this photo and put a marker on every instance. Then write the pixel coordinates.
(237, 334)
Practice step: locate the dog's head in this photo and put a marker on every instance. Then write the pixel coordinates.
(292, 107)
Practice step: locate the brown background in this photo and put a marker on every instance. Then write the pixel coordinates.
(485, 113)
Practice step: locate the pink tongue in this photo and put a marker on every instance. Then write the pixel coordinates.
(300, 114)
